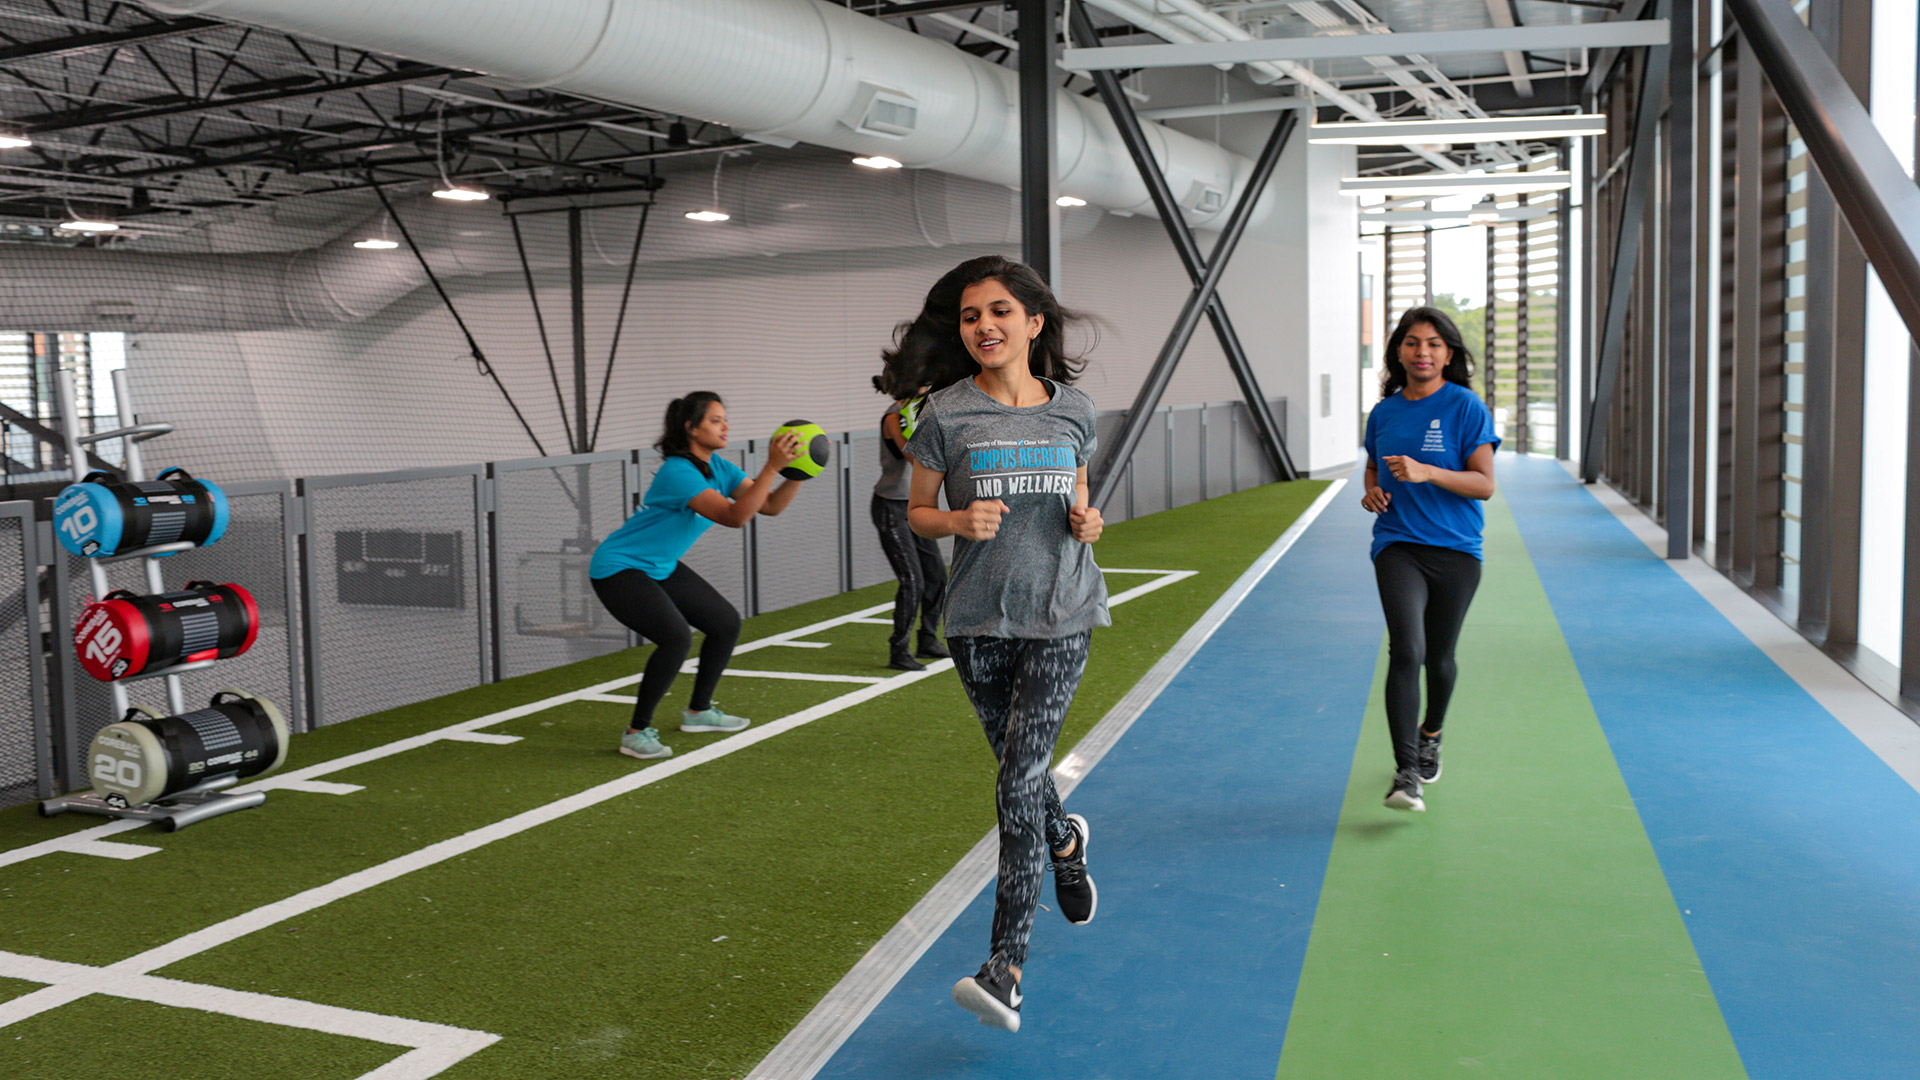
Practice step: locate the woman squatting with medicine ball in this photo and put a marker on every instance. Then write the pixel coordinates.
(1008, 441)
(638, 575)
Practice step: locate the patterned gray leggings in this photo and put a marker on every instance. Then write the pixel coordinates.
(1021, 689)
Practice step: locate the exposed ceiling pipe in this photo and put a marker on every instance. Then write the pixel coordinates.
(805, 70)
(777, 206)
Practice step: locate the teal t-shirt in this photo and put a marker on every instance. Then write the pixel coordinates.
(1442, 429)
(653, 540)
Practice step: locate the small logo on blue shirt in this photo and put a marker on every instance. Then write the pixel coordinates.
(1435, 424)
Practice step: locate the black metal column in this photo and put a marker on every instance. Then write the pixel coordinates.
(576, 263)
(1198, 271)
(1626, 253)
(1039, 212)
(1682, 79)
(1563, 317)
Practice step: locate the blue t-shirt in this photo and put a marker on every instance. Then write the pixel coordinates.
(1442, 429)
(653, 540)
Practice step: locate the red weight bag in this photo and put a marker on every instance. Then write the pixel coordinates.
(124, 634)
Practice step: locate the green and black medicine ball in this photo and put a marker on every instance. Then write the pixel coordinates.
(815, 449)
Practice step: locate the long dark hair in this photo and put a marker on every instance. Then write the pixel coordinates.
(929, 351)
(1459, 367)
(681, 412)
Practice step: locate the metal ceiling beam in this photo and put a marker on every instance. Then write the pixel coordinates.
(1626, 256)
(54, 48)
(1204, 276)
(1644, 32)
(1501, 12)
(88, 118)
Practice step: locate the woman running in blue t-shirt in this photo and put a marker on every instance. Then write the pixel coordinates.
(638, 575)
(1436, 438)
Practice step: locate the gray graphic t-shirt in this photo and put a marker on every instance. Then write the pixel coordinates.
(1033, 579)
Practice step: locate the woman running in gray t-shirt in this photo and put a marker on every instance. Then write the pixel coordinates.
(1008, 441)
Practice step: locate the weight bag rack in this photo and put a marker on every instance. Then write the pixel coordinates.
(206, 797)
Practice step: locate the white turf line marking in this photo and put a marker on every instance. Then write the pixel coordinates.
(820, 1034)
(426, 1061)
(433, 1046)
(1883, 729)
(298, 780)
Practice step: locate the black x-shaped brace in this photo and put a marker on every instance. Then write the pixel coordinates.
(1205, 275)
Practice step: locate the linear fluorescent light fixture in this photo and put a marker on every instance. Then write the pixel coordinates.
(375, 244)
(14, 142)
(708, 215)
(461, 194)
(877, 162)
(83, 225)
(1472, 130)
(1457, 184)
(1069, 200)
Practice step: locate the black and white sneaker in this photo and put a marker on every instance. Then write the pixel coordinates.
(1072, 888)
(1429, 758)
(993, 996)
(1405, 792)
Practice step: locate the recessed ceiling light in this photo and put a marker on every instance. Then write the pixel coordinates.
(878, 162)
(82, 225)
(708, 215)
(1457, 183)
(1449, 132)
(375, 244)
(1068, 200)
(462, 194)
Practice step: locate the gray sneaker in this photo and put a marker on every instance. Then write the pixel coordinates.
(1405, 792)
(644, 743)
(1429, 758)
(712, 719)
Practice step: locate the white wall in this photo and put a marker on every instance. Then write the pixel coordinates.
(779, 337)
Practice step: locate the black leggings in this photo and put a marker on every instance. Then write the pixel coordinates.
(916, 562)
(1021, 689)
(1425, 592)
(667, 613)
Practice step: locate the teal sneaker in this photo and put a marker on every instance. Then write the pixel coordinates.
(644, 743)
(712, 719)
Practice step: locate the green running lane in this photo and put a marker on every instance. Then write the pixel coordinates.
(1521, 926)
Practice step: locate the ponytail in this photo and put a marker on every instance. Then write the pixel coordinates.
(682, 412)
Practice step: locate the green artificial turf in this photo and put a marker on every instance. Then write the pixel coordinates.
(1521, 927)
(678, 931)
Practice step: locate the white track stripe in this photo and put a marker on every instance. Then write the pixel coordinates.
(814, 1040)
(806, 676)
(488, 737)
(296, 780)
(319, 787)
(1142, 590)
(434, 1046)
(129, 978)
(109, 850)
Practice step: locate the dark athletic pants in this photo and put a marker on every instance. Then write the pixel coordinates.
(916, 562)
(1424, 591)
(1021, 688)
(667, 613)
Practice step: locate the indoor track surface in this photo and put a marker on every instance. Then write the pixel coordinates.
(1652, 854)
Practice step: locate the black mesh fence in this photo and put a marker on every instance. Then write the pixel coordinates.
(396, 600)
(24, 741)
(548, 516)
(380, 590)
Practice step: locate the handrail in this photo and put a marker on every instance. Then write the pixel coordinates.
(1875, 195)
